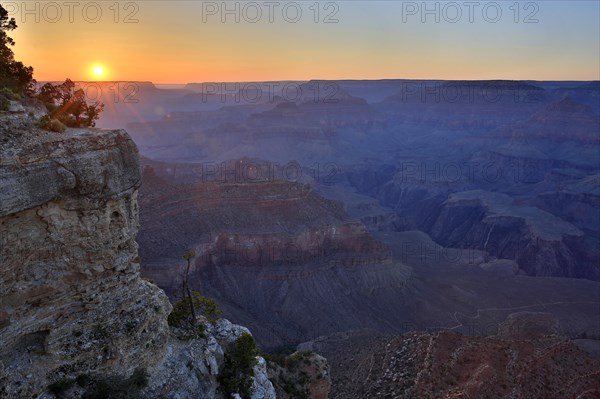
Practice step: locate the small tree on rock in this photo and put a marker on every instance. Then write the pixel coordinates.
(188, 256)
(68, 105)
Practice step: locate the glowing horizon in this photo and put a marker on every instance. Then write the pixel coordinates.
(369, 41)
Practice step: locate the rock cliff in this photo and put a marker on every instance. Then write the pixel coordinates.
(72, 302)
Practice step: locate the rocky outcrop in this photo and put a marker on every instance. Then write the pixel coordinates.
(73, 305)
(191, 366)
(72, 300)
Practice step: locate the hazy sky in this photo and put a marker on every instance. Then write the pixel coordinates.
(188, 41)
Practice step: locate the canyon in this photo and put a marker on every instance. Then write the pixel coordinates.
(267, 251)
(457, 189)
(391, 229)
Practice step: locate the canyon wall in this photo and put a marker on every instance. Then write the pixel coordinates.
(71, 296)
(73, 306)
(275, 254)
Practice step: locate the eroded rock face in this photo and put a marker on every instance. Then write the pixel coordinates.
(542, 244)
(71, 297)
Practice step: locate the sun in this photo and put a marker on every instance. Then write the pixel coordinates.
(98, 71)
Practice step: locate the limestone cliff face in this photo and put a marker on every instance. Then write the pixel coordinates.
(72, 301)
(71, 297)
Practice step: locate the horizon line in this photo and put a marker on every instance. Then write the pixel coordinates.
(320, 79)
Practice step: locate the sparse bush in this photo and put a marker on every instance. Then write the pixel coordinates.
(201, 331)
(57, 126)
(182, 312)
(53, 125)
(297, 358)
(6, 96)
(238, 369)
(279, 354)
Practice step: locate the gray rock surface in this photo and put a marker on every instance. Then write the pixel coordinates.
(72, 301)
(71, 297)
(191, 367)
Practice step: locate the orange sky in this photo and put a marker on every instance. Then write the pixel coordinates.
(186, 41)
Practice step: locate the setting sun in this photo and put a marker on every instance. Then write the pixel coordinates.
(98, 71)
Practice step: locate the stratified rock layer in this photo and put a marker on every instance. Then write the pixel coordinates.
(277, 256)
(71, 297)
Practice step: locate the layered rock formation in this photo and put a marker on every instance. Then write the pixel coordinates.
(542, 244)
(466, 106)
(548, 227)
(71, 294)
(302, 250)
(72, 302)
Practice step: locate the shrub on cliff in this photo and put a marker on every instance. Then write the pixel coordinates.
(238, 369)
(68, 105)
(6, 96)
(54, 125)
(65, 104)
(182, 312)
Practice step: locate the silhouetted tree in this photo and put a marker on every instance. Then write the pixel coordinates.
(68, 105)
(13, 74)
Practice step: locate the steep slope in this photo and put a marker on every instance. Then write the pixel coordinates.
(446, 365)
